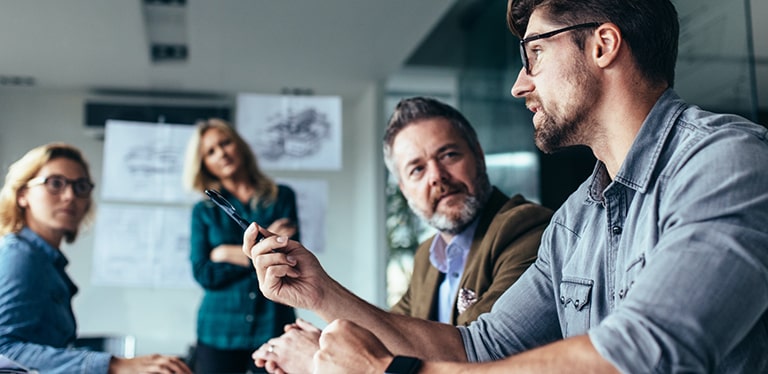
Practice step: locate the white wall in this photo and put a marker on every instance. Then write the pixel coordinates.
(163, 320)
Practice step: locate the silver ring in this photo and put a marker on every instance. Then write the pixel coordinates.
(271, 348)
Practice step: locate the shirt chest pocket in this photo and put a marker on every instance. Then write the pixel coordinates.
(575, 300)
(634, 269)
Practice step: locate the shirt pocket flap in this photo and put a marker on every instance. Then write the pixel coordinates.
(575, 292)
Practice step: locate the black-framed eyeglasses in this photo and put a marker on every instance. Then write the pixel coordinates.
(55, 184)
(523, 42)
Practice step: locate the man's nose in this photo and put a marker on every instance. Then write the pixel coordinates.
(523, 84)
(437, 174)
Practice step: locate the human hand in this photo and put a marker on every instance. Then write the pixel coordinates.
(156, 364)
(288, 273)
(230, 253)
(283, 226)
(345, 347)
(292, 352)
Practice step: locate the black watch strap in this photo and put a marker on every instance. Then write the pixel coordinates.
(403, 365)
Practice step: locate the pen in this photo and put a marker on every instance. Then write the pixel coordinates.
(222, 203)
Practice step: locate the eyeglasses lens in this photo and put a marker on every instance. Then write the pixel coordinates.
(81, 187)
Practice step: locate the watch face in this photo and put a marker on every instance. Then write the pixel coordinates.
(403, 365)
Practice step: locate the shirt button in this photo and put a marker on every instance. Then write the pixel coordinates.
(455, 275)
(616, 230)
(249, 318)
(252, 295)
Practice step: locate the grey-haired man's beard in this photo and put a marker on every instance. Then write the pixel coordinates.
(469, 210)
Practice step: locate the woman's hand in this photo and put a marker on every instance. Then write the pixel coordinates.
(284, 227)
(291, 352)
(230, 253)
(156, 364)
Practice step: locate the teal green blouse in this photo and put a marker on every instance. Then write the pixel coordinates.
(233, 313)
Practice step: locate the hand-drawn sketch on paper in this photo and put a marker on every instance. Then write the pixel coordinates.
(144, 162)
(142, 246)
(292, 132)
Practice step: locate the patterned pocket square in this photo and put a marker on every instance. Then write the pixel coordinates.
(466, 299)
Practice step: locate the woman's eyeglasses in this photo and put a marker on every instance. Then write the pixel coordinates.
(55, 184)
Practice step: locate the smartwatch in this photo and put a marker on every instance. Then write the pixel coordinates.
(403, 365)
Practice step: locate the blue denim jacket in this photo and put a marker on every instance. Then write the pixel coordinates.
(36, 320)
(665, 267)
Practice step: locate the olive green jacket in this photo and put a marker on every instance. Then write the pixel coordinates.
(505, 243)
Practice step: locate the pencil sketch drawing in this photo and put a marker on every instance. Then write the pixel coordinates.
(296, 135)
(152, 159)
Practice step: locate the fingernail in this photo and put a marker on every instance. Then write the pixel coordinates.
(290, 260)
(281, 239)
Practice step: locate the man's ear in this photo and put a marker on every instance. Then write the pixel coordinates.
(608, 44)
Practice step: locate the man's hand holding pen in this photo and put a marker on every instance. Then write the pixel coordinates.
(288, 273)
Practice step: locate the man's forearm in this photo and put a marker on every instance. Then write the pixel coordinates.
(401, 334)
(572, 355)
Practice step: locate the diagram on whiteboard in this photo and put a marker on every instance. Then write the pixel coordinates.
(292, 132)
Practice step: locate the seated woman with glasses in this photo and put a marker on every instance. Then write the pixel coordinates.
(45, 198)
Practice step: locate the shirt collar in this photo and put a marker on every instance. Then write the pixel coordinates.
(54, 254)
(439, 252)
(643, 156)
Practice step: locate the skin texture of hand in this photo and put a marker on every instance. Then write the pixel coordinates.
(233, 254)
(346, 347)
(283, 227)
(230, 253)
(292, 352)
(288, 273)
(155, 364)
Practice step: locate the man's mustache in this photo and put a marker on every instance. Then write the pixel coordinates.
(443, 189)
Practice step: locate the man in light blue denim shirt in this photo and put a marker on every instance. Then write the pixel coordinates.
(658, 263)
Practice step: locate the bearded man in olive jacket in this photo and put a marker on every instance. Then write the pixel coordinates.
(484, 242)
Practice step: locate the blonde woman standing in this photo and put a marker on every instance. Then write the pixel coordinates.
(234, 317)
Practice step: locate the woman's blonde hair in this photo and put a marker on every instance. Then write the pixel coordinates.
(12, 217)
(198, 178)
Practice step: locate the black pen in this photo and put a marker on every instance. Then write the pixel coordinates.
(231, 212)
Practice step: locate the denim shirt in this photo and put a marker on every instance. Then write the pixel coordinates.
(36, 320)
(665, 267)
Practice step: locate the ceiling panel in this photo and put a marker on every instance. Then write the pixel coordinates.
(328, 46)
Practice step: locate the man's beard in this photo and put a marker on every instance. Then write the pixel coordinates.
(567, 126)
(470, 208)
